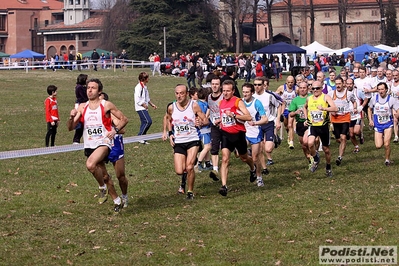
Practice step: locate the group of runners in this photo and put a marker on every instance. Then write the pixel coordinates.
(217, 120)
(312, 108)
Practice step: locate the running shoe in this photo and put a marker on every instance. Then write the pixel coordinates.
(314, 165)
(329, 173)
(118, 208)
(338, 161)
(197, 169)
(190, 196)
(208, 167)
(143, 142)
(396, 139)
(270, 162)
(291, 145)
(361, 138)
(214, 175)
(356, 150)
(223, 191)
(125, 201)
(260, 183)
(102, 195)
(182, 189)
(311, 161)
(388, 163)
(252, 175)
(265, 171)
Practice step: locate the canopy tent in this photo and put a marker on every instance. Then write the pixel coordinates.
(281, 48)
(316, 47)
(388, 48)
(340, 51)
(361, 50)
(28, 54)
(99, 51)
(4, 54)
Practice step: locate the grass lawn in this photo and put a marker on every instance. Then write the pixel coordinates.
(49, 215)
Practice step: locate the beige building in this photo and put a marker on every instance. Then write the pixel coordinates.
(363, 22)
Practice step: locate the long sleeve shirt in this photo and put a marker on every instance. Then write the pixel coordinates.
(141, 96)
(51, 109)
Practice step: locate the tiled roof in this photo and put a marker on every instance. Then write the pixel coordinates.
(96, 21)
(31, 4)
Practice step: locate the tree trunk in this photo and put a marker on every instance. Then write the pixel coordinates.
(382, 22)
(269, 4)
(290, 24)
(312, 19)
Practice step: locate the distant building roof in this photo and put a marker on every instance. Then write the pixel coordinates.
(94, 22)
(31, 4)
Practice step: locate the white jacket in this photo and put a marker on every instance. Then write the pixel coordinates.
(141, 96)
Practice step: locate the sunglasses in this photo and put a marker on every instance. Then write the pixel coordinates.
(316, 88)
(258, 84)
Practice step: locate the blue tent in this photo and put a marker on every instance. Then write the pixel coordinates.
(361, 50)
(281, 48)
(28, 54)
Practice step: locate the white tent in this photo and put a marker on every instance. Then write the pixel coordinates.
(340, 51)
(388, 48)
(316, 47)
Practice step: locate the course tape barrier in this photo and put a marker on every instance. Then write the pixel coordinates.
(67, 148)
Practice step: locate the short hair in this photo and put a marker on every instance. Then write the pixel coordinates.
(202, 93)
(143, 76)
(229, 82)
(192, 91)
(384, 84)
(81, 79)
(230, 70)
(249, 85)
(105, 96)
(100, 85)
(51, 89)
(339, 78)
(182, 85)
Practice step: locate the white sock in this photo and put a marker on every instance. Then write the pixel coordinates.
(216, 168)
(124, 196)
(117, 201)
(259, 178)
(103, 187)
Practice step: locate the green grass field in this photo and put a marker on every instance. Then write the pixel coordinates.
(49, 215)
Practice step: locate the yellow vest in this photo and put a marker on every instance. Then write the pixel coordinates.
(315, 116)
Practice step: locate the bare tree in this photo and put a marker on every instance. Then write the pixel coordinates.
(290, 24)
(115, 21)
(312, 19)
(382, 20)
(238, 9)
(343, 6)
(102, 4)
(268, 7)
(252, 37)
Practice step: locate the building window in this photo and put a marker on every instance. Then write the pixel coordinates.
(285, 19)
(326, 14)
(46, 23)
(35, 24)
(266, 37)
(2, 22)
(374, 13)
(78, 2)
(84, 44)
(71, 2)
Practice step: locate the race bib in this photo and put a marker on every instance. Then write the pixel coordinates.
(228, 121)
(182, 129)
(317, 116)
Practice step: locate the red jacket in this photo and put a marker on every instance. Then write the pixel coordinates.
(51, 109)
